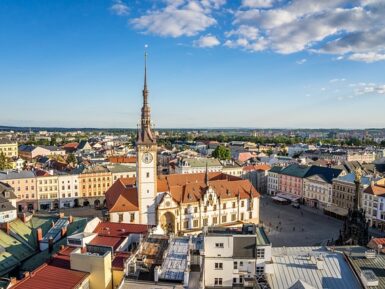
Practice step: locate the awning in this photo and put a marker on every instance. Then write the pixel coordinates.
(337, 211)
(279, 199)
(287, 196)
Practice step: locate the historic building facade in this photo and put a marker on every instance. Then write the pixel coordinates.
(177, 203)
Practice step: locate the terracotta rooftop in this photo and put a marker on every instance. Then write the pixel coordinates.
(57, 274)
(121, 196)
(375, 189)
(122, 160)
(119, 229)
(107, 241)
(183, 188)
(260, 167)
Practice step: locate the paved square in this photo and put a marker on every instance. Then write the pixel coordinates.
(288, 226)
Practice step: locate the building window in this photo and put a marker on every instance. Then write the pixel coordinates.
(260, 253)
(224, 206)
(235, 265)
(195, 209)
(215, 220)
(259, 270)
(233, 217)
(242, 204)
(218, 281)
(147, 175)
(233, 205)
(218, 245)
(205, 222)
(224, 219)
(185, 224)
(218, 266)
(195, 223)
(120, 218)
(132, 217)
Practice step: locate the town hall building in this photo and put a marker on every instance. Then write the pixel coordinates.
(178, 202)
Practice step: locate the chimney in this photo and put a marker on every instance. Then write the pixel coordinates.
(5, 227)
(50, 244)
(39, 234)
(26, 274)
(63, 231)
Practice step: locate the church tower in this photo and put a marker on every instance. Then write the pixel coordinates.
(146, 160)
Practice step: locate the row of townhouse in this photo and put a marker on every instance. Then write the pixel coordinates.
(323, 187)
(43, 190)
(313, 185)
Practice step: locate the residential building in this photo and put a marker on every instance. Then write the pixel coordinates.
(373, 202)
(235, 256)
(231, 167)
(298, 149)
(291, 179)
(24, 185)
(30, 152)
(257, 175)
(68, 185)
(7, 203)
(318, 186)
(197, 165)
(94, 181)
(122, 171)
(273, 180)
(344, 190)
(9, 148)
(47, 189)
(361, 156)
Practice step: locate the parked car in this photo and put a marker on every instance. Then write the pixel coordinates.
(296, 205)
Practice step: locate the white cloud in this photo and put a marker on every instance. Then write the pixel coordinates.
(349, 29)
(367, 57)
(369, 88)
(119, 8)
(334, 80)
(257, 3)
(207, 41)
(179, 18)
(301, 61)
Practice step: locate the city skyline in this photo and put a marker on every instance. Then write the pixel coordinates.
(212, 64)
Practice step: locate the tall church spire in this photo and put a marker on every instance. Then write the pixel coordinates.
(145, 134)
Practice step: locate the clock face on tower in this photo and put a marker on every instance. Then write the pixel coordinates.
(147, 158)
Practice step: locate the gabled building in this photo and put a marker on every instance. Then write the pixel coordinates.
(291, 179)
(373, 202)
(318, 186)
(273, 180)
(7, 203)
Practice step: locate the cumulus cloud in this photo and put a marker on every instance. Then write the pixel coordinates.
(207, 41)
(363, 88)
(179, 18)
(347, 29)
(350, 29)
(119, 8)
(257, 3)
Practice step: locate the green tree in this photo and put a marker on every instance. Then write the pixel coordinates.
(4, 162)
(222, 153)
(71, 159)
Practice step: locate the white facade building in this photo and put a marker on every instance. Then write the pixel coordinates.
(234, 257)
(68, 186)
(273, 180)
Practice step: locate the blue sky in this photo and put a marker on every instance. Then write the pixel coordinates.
(212, 63)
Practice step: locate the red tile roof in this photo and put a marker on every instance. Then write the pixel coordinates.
(119, 259)
(122, 197)
(242, 157)
(71, 145)
(108, 241)
(122, 160)
(119, 229)
(260, 167)
(55, 275)
(379, 241)
(375, 189)
(185, 188)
